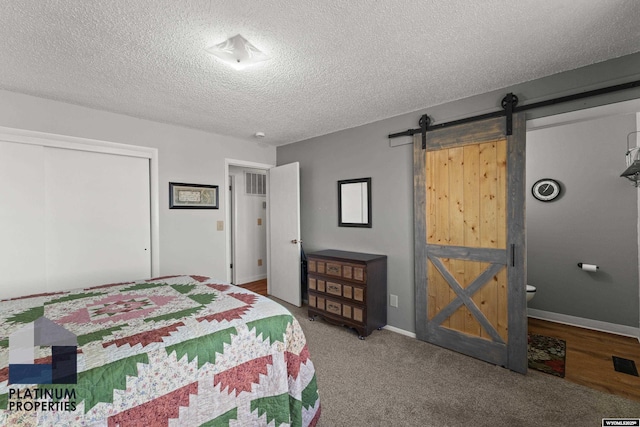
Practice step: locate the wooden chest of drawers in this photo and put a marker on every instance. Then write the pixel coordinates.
(348, 288)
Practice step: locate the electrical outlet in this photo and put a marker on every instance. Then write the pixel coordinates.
(259, 263)
(259, 221)
(220, 225)
(393, 300)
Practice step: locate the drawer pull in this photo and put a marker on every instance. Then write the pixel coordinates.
(333, 269)
(334, 308)
(334, 289)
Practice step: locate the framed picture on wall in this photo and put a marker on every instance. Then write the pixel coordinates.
(192, 196)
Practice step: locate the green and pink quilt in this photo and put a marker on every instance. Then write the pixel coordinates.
(171, 351)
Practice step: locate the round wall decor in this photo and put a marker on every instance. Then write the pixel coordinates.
(546, 189)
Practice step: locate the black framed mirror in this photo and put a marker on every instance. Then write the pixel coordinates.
(354, 203)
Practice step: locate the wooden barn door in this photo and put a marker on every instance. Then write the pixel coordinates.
(469, 241)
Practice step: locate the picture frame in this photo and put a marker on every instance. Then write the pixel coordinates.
(193, 196)
(354, 203)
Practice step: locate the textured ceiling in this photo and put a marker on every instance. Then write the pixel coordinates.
(335, 64)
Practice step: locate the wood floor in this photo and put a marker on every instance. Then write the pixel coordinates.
(588, 360)
(259, 286)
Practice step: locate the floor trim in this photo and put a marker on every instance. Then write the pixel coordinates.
(400, 331)
(597, 325)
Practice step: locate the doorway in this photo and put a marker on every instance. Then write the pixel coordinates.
(248, 224)
(281, 225)
(593, 221)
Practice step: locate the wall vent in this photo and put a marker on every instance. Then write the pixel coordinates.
(255, 184)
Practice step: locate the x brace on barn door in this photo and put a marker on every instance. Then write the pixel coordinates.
(463, 296)
(509, 107)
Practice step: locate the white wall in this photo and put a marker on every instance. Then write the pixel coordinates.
(189, 240)
(250, 237)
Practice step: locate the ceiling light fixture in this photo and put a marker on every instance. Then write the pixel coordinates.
(237, 52)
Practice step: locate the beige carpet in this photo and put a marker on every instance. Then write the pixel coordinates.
(394, 380)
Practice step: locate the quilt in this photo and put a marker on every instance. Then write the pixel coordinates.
(171, 351)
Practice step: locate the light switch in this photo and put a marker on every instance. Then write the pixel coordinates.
(220, 225)
(393, 300)
(259, 221)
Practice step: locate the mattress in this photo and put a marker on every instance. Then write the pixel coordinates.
(181, 350)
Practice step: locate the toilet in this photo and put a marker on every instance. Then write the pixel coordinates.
(531, 292)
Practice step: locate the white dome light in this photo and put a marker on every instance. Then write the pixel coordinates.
(237, 52)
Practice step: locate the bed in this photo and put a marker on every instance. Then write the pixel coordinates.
(180, 350)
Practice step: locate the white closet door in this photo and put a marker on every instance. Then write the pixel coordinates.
(97, 222)
(22, 253)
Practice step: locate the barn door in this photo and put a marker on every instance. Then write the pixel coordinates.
(469, 241)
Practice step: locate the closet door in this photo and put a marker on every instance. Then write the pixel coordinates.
(22, 250)
(97, 222)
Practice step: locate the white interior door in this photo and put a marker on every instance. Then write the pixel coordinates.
(97, 223)
(284, 232)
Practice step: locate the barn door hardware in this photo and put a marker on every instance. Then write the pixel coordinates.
(424, 127)
(509, 107)
(509, 103)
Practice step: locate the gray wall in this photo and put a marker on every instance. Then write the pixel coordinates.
(364, 152)
(360, 153)
(594, 221)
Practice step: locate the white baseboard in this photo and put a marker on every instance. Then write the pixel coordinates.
(612, 328)
(597, 325)
(246, 280)
(400, 331)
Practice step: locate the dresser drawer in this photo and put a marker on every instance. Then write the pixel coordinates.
(339, 269)
(348, 288)
(336, 308)
(336, 288)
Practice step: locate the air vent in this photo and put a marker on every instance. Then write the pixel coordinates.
(626, 366)
(255, 184)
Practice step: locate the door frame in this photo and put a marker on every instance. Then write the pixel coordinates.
(233, 221)
(23, 136)
(514, 354)
(229, 232)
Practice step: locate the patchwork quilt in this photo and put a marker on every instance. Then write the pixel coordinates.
(179, 351)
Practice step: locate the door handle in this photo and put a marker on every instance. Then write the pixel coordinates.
(513, 255)
(294, 241)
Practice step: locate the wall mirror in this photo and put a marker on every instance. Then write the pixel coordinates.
(354, 203)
